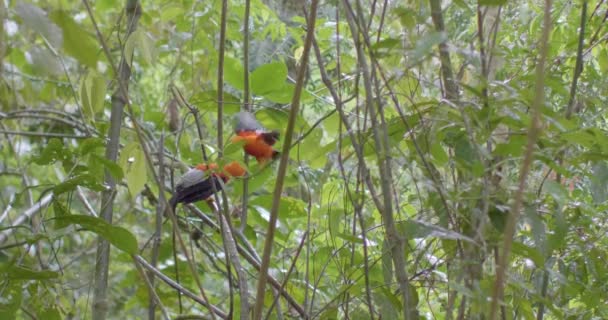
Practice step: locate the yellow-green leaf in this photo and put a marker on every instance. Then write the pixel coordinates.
(133, 164)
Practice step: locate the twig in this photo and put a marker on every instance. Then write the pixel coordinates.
(26, 215)
(533, 133)
(119, 98)
(43, 134)
(291, 267)
(295, 106)
(215, 310)
(251, 257)
(155, 300)
(160, 209)
(134, 6)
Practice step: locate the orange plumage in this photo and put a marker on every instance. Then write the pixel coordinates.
(258, 141)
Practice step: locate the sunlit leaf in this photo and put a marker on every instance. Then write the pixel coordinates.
(133, 163)
(268, 78)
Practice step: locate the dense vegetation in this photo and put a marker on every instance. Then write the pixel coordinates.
(440, 160)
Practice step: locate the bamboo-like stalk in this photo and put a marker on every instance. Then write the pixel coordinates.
(295, 106)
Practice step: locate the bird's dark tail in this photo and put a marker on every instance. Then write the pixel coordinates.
(271, 137)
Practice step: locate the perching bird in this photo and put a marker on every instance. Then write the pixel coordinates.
(197, 183)
(258, 140)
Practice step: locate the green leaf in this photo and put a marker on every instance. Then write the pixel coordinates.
(20, 273)
(89, 145)
(11, 301)
(113, 168)
(289, 207)
(121, 238)
(234, 73)
(282, 94)
(146, 46)
(268, 78)
(133, 163)
(440, 157)
(60, 210)
(528, 252)
(55, 150)
(51, 314)
(427, 44)
(76, 43)
(92, 93)
(557, 191)
(85, 180)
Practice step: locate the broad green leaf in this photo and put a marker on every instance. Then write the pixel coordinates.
(112, 167)
(268, 78)
(171, 11)
(289, 207)
(133, 163)
(440, 157)
(76, 43)
(92, 93)
(514, 147)
(234, 73)
(120, 237)
(207, 101)
(146, 46)
(85, 180)
(258, 179)
(21, 273)
(51, 314)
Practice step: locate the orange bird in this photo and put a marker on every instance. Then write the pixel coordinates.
(258, 140)
(197, 183)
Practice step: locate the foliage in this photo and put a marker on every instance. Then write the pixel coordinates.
(380, 137)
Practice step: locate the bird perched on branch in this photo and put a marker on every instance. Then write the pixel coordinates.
(258, 141)
(197, 183)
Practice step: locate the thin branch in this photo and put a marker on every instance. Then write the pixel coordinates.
(215, 310)
(578, 67)
(533, 133)
(251, 257)
(43, 134)
(119, 98)
(295, 106)
(124, 93)
(160, 209)
(26, 215)
(291, 267)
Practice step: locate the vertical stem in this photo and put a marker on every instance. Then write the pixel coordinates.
(247, 107)
(220, 81)
(295, 106)
(160, 209)
(119, 98)
(451, 89)
(533, 133)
